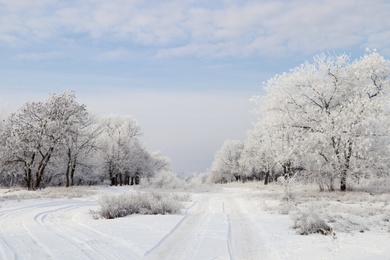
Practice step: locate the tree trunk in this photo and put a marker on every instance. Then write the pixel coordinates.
(68, 168)
(343, 180)
(41, 168)
(27, 178)
(111, 174)
(67, 176)
(72, 170)
(347, 156)
(287, 170)
(266, 178)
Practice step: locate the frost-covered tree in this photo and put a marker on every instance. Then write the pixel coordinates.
(226, 166)
(35, 132)
(47, 143)
(80, 145)
(124, 157)
(160, 162)
(258, 155)
(332, 113)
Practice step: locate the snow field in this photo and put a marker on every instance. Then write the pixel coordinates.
(235, 222)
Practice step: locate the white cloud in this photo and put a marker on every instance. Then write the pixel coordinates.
(191, 27)
(23, 4)
(38, 56)
(113, 55)
(379, 40)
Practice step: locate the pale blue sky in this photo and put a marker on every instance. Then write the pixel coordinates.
(185, 69)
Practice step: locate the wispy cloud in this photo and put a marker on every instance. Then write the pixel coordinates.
(38, 56)
(114, 55)
(183, 28)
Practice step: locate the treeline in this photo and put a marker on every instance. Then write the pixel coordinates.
(59, 143)
(326, 122)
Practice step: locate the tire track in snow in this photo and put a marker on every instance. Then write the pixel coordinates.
(172, 231)
(48, 229)
(205, 225)
(107, 246)
(45, 230)
(81, 240)
(242, 242)
(248, 238)
(229, 236)
(14, 241)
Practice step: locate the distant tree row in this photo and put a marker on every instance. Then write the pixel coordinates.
(58, 142)
(326, 121)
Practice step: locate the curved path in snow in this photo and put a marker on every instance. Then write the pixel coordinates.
(47, 230)
(226, 224)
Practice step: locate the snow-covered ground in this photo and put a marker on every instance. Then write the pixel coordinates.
(235, 222)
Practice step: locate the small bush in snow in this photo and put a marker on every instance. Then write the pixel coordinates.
(286, 207)
(310, 223)
(289, 189)
(164, 180)
(167, 180)
(288, 197)
(140, 203)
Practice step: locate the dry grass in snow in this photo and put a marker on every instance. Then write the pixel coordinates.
(144, 203)
(47, 193)
(365, 208)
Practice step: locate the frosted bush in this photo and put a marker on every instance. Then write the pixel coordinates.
(116, 206)
(164, 180)
(48, 193)
(286, 207)
(288, 197)
(198, 179)
(144, 203)
(309, 223)
(289, 193)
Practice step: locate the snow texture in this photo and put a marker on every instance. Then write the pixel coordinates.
(236, 222)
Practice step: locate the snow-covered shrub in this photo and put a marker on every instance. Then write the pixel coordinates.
(286, 207)
(373, 186)
(48, 193)
(140, 203)
(309, 222)
(289, 189)
(288, 197)
(115, 206)
(196, 179)
(164, 180)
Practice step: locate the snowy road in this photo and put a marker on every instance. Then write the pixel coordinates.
(219, 226)
(224, 224)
